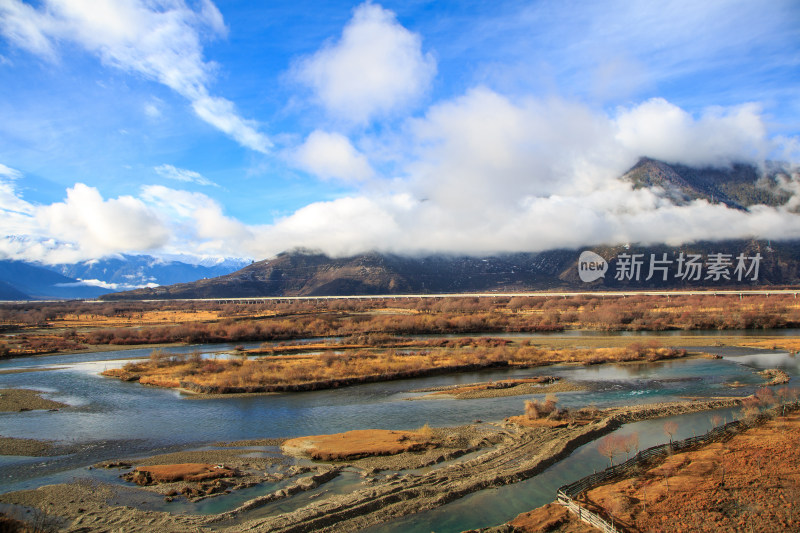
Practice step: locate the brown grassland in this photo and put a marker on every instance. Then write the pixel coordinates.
(330, 370)
(42, 328)
(749, 483)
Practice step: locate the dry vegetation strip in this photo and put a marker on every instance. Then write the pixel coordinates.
(41, 328)
(320, 371)
(749, 483)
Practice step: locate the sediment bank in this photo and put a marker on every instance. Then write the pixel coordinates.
(516, 454)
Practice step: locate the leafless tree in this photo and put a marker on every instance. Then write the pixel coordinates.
(609, 446)
(670, 427)
(630, 443)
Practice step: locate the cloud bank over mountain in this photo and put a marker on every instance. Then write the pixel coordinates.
(482, 174)
(407, 165)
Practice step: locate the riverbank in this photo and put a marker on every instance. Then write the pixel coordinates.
(499, 454)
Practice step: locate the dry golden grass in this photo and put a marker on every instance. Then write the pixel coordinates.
(792, 344)
(67, 326)
(749, 483)
(144, 318)
(553, 518)
(327, 370)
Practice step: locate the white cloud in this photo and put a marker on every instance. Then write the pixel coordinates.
(720, 136)
(221, 113)
(99, 226)
(483, 148)
(331, 155)
(488, 174)
(91, 283)
(9, 173)
(482, 173)
(152, 110)
(14, 211)
(159, 40)
(181, 174)
(26, 27)
(105, 285)
(340, 227)
(198, 222)
(376, 67)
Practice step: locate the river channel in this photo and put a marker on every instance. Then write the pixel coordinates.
(107, 418)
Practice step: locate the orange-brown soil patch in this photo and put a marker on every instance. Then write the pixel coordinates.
(357, 444)
(551, 518)
(149, 475)
(525, 421)
(749, 483)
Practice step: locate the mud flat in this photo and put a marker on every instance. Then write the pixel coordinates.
(26, 447)
(500, 389)
(26, 400)
(503, 453)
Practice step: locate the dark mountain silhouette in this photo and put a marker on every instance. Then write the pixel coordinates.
(308, 274)
(738, 186)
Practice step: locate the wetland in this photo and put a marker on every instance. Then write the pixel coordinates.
(462, 461)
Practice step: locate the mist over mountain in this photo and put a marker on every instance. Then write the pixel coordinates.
(712, 263)
(302, 273)
(736, 188)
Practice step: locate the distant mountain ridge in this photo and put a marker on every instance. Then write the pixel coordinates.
(308, 274)
(142, 270)
(20, 280)
(303, 273)
(25, 281)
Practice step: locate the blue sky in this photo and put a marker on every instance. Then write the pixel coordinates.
(244, 129)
